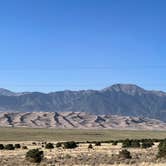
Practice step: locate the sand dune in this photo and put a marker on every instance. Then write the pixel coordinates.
(77, 120)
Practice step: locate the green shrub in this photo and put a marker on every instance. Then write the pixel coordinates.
(24, 147)
(162, 149)
(124, 154)
(126, 143)
(59, 144)
(147, 144)
(135, 144)
(49, 146)
(97, 143)
(70, 145)
(34, 143)
(131, 143)
(34, 155)
(90, 146)
(17, 146)
(9, 147)
(1, 147)
(114, 143)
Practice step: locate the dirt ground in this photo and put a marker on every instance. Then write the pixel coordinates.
(103, 155)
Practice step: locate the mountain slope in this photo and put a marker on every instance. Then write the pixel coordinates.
(119, 99)
(6, 92)
(77, 120)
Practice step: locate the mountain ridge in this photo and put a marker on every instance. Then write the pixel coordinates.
(112, 87)
(118, 99)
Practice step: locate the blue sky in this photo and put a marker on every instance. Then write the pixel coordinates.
(50, 45)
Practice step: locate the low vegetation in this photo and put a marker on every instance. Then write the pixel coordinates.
(103, 152)
(147, 143)
(17, 146)
(49, 146)
(144, 143)
(90, 146)
(9, 147)
(97, 143)
(131, 143)
(34, 155)
(124, 154)
(1, 147)
(114, 143)
(24, 147)
(59, 144)
(162, 149)
(61, 135)
(70, 145)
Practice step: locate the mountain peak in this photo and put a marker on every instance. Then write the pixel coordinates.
(6, 92)
(127, 88)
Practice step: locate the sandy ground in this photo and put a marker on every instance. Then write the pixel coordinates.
(143, 157)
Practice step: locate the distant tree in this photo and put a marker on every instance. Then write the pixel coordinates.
(34, 155)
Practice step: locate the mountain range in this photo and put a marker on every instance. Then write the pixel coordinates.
(118, 99)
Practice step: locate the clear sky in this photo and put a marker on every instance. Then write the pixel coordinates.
(50, 45)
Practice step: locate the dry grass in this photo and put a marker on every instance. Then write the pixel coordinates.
(100, 155)
(30, 134)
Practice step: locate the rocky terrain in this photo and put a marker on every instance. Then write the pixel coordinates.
(119, 99)
(77, 120)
